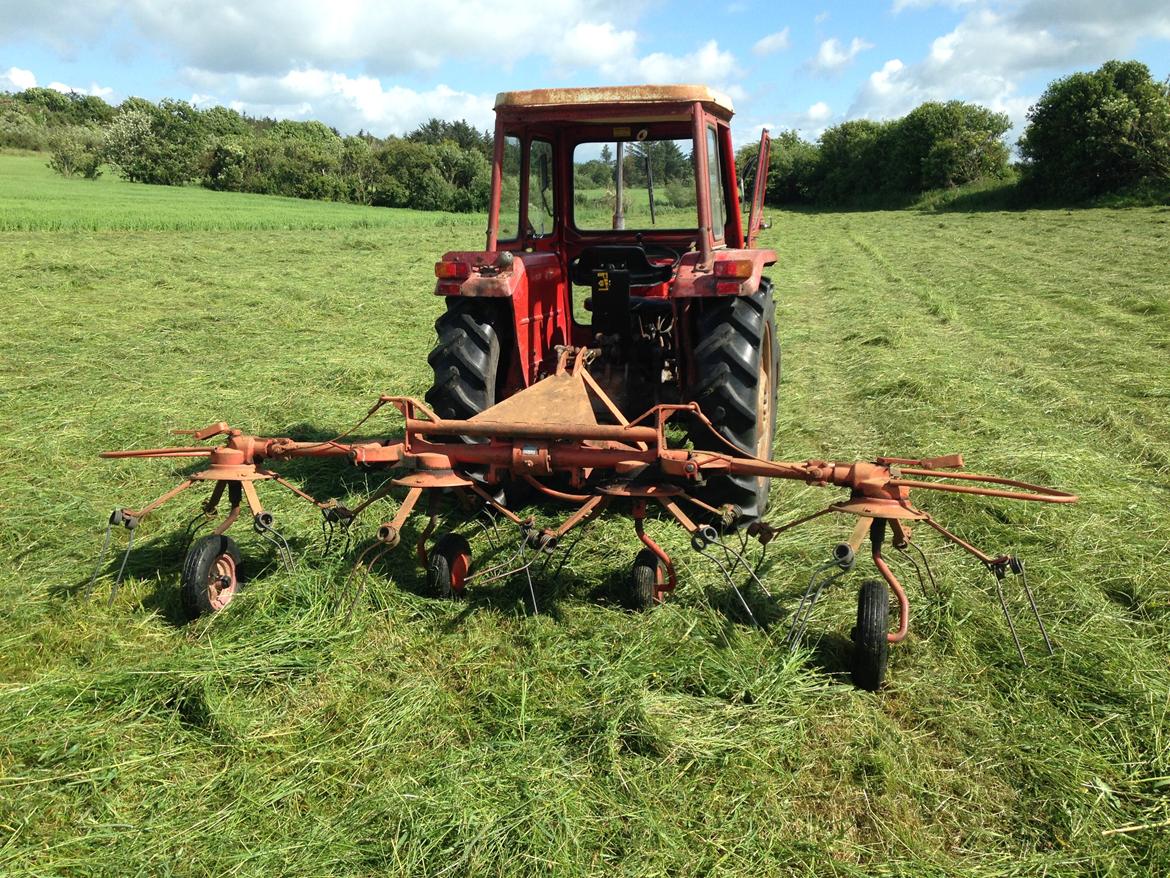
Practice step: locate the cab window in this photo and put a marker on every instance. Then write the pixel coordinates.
(540, 189)
(715, 179)
(509, 229)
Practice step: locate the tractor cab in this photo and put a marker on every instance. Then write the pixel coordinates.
(615, 227)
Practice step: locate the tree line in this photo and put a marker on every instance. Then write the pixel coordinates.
(1088, 134)
(439, 166)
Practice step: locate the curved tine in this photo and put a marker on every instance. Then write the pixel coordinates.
(1007, 614)
(800, 620)
(739, 559)
(487, 533)
(812, 580)
(101, 560)
(531, 590)
(566, 553)
(122, 569)
(734, 587)
(482, 577)
(917, 570)
(1035, 608)
(926, 566)
(273, 536)
(367, 570)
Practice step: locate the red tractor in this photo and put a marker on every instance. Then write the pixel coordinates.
(615, 224)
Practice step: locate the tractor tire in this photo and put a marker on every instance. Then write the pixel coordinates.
(211, 575)
(469, 360)
(448, 566)
(871, 646)
(646, 579)
(737, 364)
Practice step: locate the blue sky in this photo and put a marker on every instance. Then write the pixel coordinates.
(384, 66)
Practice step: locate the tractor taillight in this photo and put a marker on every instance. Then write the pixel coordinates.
(741, 268)
(452, 270)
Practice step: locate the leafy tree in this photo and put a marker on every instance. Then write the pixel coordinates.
(1098, 132)
(792, 168)
(436, 131)
(150, 143)
(849, 164)
(76, 151)
(938, 145)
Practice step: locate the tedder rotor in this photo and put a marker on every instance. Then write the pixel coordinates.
(619, 289)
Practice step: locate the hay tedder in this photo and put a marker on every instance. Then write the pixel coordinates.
(654, 397)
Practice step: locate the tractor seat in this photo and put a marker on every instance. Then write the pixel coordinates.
(618, 257)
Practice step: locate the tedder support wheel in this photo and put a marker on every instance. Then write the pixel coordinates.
(211, 575)
(871, 647)
(449, 564)
(646, 580)
(737, 364)
(470, 359)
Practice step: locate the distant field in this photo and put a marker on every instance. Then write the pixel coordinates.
(476, 739)
(35, 199)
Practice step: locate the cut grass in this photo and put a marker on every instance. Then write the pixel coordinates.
(474, 738)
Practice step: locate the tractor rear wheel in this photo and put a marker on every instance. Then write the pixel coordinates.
(469, 359)
(737, 364)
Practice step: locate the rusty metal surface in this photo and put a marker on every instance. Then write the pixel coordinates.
(560, 399)
(617, 95)
(549, 436)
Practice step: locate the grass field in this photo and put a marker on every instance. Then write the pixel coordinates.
(478, 739)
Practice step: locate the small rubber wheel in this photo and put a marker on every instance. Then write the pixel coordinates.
(871, 648)
(449, 564)
(211, 575)
(647, 577)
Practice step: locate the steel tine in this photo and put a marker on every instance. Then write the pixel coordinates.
(997, 573)
(917, 570)
(367, 570)
(122, 569)
(926, 566)
(532, 591)
(734, 587)
(101, 557)
(1018, 566)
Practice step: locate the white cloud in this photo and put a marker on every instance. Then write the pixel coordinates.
(94, 89)
(17, 79)
(346, 102)
(986, 57)
(707, 64)
(776, 42)
(822, 17)
(586, 44)
(819, 112)
(374, 36)
(833, 56)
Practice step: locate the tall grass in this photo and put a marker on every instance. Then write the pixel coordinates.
(476, 738)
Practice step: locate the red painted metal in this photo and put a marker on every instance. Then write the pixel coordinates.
(536, 285)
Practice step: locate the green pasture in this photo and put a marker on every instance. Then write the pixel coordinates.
(476, 738)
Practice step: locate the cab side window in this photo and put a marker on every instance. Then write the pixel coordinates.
(541, 204)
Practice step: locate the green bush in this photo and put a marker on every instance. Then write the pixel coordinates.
(1098, 132)
(76, 151)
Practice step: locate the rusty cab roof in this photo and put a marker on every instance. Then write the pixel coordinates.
(605, 103)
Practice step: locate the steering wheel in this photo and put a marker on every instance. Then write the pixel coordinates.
(661, 251)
